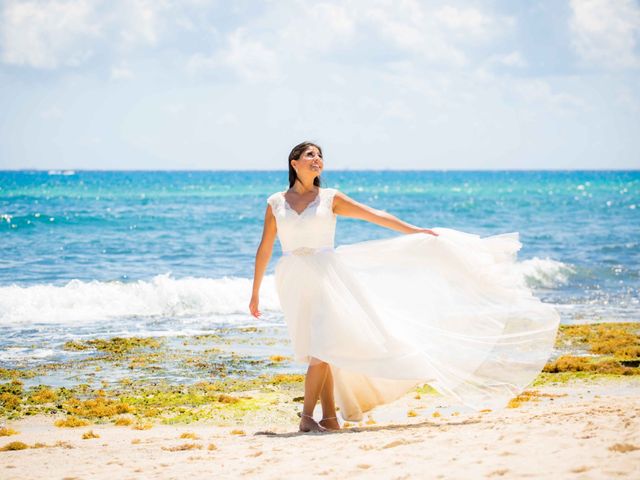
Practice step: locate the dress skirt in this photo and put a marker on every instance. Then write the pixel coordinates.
(451, 311)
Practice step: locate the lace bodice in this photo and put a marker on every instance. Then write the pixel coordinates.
(314, 227)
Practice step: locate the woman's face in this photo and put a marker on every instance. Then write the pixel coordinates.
(310, 162)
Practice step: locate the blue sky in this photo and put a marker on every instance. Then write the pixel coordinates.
(161, 84)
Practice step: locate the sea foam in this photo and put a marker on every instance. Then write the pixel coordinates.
(545, 272)
(163, 296)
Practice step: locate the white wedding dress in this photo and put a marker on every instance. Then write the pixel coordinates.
(451, 311)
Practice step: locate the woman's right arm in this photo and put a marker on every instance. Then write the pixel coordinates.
(348, 207)
(263, 255)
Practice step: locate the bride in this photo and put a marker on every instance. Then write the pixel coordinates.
(374, 319)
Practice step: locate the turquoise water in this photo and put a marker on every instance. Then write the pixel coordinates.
(97, 253)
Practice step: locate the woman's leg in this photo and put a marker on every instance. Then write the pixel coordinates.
(329, 419)
(313, 383)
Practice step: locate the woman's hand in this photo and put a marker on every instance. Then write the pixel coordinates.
(426, 230)
(253, 306)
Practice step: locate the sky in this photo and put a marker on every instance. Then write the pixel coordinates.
(379, 84)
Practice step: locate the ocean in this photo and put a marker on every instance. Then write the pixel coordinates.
(89, 254)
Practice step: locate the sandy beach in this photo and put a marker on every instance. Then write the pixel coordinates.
(439, 201)
(583, 429)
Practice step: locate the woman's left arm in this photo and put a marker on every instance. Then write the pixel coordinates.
(348, 207)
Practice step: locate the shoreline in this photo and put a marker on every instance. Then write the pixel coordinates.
(584, 428)
(577, 419)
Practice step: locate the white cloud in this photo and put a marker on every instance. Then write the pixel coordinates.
(248, 58)
(228, 119)
(355, 34)
(513, 59)
(400, 110)
(441, 36)
(52, 113)
(540, 92)
(320, 27)
(256, 52)
(628, 100)
(55, 33)
(468, 20)
(138, 21)
(48, 34)
(410, 28)
(121, 73)
(175, 107)
(605, 32)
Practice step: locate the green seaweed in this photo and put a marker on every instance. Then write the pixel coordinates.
(620, 340)
(116, 381)
(14, 373)
(43, 395)
(98, 407)
(115, 345)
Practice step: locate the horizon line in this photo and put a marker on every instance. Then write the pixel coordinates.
(74, 170)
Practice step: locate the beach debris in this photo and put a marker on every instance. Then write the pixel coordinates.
(43, 395)
(620, 339)
(182, 447)
(97, 407)
(14, 446)
(142, 426)
(71, 421)
(115, 345)
(222, 398)
(123, 422)
(279, 358)
(623, 447)
(571, 363)
(59, 444)
(531, 395)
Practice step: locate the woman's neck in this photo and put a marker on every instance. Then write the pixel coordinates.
(301, 187)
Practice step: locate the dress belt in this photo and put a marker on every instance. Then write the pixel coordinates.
(302, 251)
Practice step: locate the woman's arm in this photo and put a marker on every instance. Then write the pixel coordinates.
(348, 207)
(263, 255)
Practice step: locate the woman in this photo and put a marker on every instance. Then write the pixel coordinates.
(374, 319)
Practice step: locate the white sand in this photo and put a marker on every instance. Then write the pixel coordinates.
(570, 436)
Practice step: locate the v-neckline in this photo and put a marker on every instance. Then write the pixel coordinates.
(305, 208)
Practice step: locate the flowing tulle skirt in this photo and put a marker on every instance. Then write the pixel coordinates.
(451, 311)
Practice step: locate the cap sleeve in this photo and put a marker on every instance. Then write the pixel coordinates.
(328, 197)
(274, 200)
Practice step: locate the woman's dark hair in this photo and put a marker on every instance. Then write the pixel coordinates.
(295, 155)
